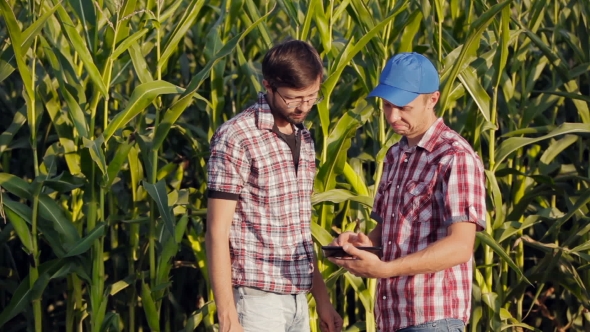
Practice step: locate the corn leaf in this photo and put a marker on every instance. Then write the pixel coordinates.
(85, 243)
(512, 144)
(149, 307)
(81, 48)
(141, 97)
(158, 193)
(489, 241)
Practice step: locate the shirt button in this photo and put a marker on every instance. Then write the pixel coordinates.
(398, 186)
(405, 161)
(385, 297)
(389, 242)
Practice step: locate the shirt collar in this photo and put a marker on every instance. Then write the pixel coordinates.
(264, 118)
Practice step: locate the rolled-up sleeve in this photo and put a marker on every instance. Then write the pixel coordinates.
(228, 167)
(464, 190)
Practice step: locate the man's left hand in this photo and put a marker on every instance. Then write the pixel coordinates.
(330, 320)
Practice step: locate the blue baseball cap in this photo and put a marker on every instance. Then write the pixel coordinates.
(405, 77)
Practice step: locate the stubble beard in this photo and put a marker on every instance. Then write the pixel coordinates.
(284, 113)
(295, 121)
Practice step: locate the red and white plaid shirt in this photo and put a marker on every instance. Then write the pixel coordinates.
(270, 237)
(424, 189)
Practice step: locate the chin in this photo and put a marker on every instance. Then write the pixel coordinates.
(296, 121)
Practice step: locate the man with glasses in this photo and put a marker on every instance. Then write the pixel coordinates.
(260, 180)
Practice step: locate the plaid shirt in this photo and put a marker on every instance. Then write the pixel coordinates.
(423, 190)
(270, 237)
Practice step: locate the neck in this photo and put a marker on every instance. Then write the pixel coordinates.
(284, 126)
(413, 141)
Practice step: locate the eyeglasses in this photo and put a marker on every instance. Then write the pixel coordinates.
(300, 101)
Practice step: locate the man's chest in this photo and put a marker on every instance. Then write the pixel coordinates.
(273, 168)
(412, 202)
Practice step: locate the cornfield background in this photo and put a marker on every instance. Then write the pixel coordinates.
(107, 108)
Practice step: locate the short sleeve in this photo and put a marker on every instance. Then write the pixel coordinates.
(228, 167)
(464, 190)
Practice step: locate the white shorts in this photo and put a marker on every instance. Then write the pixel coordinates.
(260, 311)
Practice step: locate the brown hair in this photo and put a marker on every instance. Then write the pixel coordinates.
(294, 64)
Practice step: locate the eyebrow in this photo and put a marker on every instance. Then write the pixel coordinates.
(309, 95)
(394, 105)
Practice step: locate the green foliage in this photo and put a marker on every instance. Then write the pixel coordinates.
(108, 108)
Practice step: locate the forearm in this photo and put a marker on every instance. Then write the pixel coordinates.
(219, 219)
(219, 265)
(330, 320)
(450, 251)
(319, 289)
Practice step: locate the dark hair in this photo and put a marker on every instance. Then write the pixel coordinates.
(294, 64)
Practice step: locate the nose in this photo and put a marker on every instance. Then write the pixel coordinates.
(306, 105)
(392, 114)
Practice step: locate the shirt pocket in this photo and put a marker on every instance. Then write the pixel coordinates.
(417, 201)
(271, 168)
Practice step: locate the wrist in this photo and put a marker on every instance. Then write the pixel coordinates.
(227, 313)
(320, 294)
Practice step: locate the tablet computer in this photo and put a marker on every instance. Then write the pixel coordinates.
(337, 251)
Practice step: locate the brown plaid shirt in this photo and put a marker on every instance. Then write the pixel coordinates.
(270, 238)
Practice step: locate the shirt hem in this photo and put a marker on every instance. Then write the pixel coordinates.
(222, 195)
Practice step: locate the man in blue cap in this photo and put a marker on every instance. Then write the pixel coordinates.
(429, 205)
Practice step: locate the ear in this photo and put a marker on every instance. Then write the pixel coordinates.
(433, 99)
(266, 85)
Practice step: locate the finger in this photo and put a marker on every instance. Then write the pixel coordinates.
(355, 240)
(330, 327)
(352, 250)
(335, 241)
(364, 239)
(346, 237)
(342, 239)
(341, 261)
(336, 261)
(338, 324)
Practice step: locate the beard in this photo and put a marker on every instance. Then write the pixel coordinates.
(290, 115)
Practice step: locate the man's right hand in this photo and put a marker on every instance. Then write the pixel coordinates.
(355, 239)
(230, 324)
